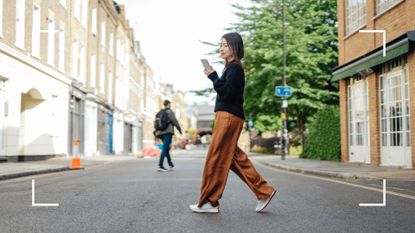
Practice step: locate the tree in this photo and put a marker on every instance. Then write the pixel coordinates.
(311, 54)
(311, 43)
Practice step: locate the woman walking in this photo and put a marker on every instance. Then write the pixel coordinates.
(224, 153)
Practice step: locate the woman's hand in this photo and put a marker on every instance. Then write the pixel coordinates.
(208, 70)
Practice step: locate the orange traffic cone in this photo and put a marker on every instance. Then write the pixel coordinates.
(76, 163)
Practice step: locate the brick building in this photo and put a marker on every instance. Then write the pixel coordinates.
(377, 90)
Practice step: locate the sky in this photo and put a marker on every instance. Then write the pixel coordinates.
(170, 34)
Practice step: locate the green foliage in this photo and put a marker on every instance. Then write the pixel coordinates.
(323, 141)
(311, 47)
(267, 123)
(204, 92)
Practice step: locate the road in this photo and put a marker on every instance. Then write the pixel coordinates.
(131, 196)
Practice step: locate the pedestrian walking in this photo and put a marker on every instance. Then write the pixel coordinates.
(223, 153)
(164, 129)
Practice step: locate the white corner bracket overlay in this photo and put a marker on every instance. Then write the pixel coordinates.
(40, 204)
(384, 37)
(378, 204)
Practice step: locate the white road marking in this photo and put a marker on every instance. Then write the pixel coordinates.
(336, 181)
(40, 204)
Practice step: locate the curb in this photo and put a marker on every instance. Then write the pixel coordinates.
(320, 173)
(30, 173)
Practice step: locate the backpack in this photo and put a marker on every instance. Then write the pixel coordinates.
(162, 120)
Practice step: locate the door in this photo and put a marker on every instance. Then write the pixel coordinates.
(394, 119)
(77, 126)
(127, 138)
(359, 150)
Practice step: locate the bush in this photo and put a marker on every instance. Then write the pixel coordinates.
(323, 141)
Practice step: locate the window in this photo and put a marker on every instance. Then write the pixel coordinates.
(75, 56)
(1, 17)
(94, 21)
(358, 113)
(77, 9)
(20, 23)
(111, 44)
(63, 3)
(394, 110)
(103, 34)
(384, 5)
(110, 79)
(62, 48)
(51, 41)
(36, 31)
(355, 15)
(102, 79)
(84, 9)
(118, 50)
(93, 70)
(83, 65)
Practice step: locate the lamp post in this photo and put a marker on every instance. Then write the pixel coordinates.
(285, 144)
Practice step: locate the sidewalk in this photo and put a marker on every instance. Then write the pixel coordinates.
(334, 169)
(14, 170)
(291, 163)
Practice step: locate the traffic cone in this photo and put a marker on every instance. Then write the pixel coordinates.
(76, 163)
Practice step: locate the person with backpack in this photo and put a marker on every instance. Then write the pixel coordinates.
(164, 129)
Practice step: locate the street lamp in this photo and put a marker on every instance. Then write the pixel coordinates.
(284, 106)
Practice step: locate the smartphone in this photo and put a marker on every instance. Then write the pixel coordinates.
(205, 62)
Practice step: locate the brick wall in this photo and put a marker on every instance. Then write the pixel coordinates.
(396, 22)
(343, 121)
(374, 136)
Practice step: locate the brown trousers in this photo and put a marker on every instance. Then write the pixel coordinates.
(224, 154)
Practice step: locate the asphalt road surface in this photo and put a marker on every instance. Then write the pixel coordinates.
(131, 196)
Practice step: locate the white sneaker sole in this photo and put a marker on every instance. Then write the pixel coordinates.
(209, 211)
(269, 200)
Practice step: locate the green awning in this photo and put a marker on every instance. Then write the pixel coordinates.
(392, 51)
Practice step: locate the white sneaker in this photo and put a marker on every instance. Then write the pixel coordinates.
(264, 202)
(206, 208)
(162, 169)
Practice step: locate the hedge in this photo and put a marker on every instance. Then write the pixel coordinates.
(323, 141)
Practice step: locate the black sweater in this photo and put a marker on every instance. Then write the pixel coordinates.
(230, 89)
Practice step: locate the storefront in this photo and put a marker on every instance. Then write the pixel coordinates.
(91, 126)
(377, 106)
(77, 122)
(105, 130)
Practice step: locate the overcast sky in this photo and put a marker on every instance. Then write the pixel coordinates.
(170, 33)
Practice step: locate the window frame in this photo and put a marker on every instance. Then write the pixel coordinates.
(51, 40)
(349, 30)
(394, 137)
(20, 24)
(36, 18)
(378, 12)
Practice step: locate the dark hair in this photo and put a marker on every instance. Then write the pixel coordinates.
(235, 42)
(166, 102)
